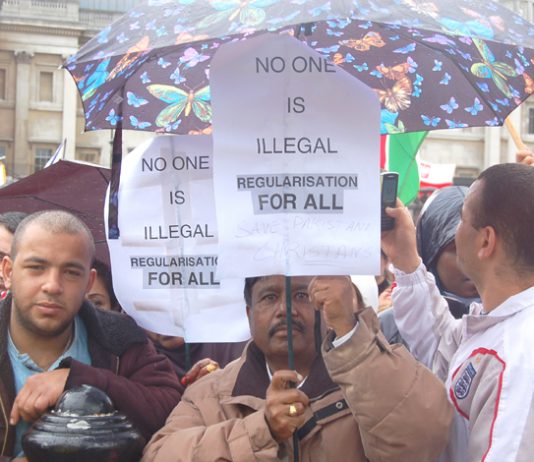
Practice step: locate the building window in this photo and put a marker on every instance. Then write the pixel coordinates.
(468, 172)
(531, 121)
(464, 176)
(108, 5)
(46, 86)
(42, 155)
(3, 82)
(91, 157)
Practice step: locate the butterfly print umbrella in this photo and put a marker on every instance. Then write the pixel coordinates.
(434, 64)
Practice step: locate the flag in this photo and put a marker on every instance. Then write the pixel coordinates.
(436, 175)
(58, 155)
(3, 174)
(398, 154)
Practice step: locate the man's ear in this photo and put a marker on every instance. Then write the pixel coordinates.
(92, 277)
(487, 242)
(7, 270)
(248, 311)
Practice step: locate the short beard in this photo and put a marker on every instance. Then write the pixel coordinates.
(27, 324)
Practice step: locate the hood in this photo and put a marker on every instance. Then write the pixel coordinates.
(437, 223)
(368, 288)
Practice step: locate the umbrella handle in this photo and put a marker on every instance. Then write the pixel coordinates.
(514, 134)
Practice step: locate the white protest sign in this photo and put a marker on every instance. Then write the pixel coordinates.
(164, 262)
(296, 162)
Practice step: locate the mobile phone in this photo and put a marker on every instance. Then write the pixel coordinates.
(389, 182)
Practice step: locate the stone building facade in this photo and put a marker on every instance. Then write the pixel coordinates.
(40, 107)
(39, 103)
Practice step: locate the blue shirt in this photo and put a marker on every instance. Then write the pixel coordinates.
(24, 367)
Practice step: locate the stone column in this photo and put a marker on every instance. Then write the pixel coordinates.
(22, 154)
(515, 118)
(70, 94)
(492, 146)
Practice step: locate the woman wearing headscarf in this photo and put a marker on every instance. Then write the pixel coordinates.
(435, 231)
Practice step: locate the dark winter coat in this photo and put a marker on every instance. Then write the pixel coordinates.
(140, 382)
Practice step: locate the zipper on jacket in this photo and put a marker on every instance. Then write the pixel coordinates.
(7, 426)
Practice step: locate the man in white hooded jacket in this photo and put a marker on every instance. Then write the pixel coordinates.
(487, 358)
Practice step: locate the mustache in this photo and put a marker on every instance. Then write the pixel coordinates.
(297, 325)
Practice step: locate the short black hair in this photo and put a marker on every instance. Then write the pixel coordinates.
(11, 220)
(507, 205)
(103, 271)
(247, 291)
(56, 222)
(249, 284)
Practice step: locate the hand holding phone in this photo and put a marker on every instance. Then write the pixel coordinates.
(389, 183)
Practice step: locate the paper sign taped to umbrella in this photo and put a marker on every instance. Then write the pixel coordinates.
(164, 263)
(296, 162)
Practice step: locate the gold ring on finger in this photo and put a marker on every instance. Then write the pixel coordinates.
(292, 410)
(211, 367)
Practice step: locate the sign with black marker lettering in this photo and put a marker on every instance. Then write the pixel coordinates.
(165, 262)
(296, 162)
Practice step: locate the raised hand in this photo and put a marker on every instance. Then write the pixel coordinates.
(336, 297)
(285, 406)
(399, 244)
(525, 156)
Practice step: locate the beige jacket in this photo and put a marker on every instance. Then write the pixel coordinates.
(372, 402)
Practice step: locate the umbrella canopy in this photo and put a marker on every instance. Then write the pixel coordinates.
(72, 186)
(434, 64)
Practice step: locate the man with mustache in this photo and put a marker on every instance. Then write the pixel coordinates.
(360, 399)
(52, 340)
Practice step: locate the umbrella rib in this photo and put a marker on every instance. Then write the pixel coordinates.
(103, 175)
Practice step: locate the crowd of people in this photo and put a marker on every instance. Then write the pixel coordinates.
(438, 368)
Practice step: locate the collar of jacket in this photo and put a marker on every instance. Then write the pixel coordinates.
(477, 322)
(253, 380)
(7, 381)
(110, 335)
(115, 332)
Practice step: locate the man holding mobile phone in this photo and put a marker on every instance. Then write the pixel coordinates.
(486, 357)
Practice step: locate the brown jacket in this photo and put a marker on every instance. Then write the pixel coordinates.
(140, 382)
(375, 403)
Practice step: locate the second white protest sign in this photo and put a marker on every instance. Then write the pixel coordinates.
(164, 263)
